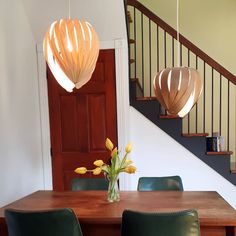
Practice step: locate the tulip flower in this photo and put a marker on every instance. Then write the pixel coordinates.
(128, 148)
(98, 163)
(128, 162)
(130, 169)
(80, 170)
(112, 171)
(109, 144)
(114, 152)
(97, 171)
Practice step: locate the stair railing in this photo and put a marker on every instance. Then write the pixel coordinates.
(153, 46)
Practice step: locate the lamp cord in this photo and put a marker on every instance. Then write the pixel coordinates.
(177, 29)
(69, 9)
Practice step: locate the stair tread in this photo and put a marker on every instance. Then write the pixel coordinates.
(131, 41)
(145, 98)
(168, 117)
(220, 153)
(189, 135)
(131, 61)
(134, 79)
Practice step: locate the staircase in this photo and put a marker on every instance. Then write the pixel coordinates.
(152, 47)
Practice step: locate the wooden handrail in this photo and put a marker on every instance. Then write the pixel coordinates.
(184, 41)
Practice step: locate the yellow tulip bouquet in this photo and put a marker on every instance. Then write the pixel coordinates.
(112, 171)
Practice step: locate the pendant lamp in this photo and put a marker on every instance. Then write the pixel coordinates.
(71, 49)
(178, 88)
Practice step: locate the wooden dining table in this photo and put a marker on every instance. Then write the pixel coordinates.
(99, 217)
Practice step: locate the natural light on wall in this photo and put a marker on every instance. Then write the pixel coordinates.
(71, 49)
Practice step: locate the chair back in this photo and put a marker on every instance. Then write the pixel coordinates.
(89, 184)
(167, 183)
(184, 223)
(59, 222)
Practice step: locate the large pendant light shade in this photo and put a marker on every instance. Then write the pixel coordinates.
(71, 49)
(178, 89)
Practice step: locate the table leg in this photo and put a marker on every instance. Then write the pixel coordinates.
(230, 231)
(3, 228)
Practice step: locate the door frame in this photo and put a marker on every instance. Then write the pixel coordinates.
(122, 100)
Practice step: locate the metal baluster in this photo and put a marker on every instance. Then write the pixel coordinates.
(204, 97)
(165, 55)
(165, 48)
(142, 53)
(228, 116)
(158, 62)
(212, 101)
(135, 45)
(220, 104)
(173, 52)
(196, 103)
(181, 55)
(150, 58)
(188, 113)
(158, 56)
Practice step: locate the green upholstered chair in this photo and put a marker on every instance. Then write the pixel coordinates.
(89, 184)
(171, 183)
(60, 222)
(184, 223)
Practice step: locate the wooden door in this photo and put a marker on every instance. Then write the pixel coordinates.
(80, 121)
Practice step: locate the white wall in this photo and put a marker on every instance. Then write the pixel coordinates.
(156, 154)
(20, 142)
(22, 26)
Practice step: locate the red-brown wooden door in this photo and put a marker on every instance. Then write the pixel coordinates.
(80, 121)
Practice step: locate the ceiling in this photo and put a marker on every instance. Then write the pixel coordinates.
(104, 15)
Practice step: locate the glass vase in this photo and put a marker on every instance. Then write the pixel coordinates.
(113, 190)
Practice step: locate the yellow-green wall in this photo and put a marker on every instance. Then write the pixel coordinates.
(210, 24)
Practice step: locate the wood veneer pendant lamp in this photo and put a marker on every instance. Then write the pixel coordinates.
(178, 88)
(71, 49)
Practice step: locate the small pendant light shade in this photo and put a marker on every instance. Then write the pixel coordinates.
(71, 49)
(178, 89)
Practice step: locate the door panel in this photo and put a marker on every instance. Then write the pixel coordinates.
(80, 121)
(97, 105)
